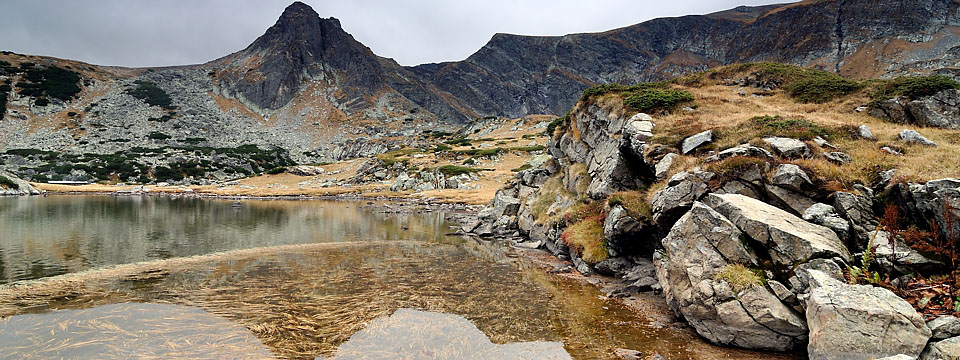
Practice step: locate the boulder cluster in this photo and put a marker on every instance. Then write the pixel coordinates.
(751, 251)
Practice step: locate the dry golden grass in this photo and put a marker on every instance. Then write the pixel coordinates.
(720, 108)
(586, 238)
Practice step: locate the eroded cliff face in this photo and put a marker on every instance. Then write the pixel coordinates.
(750, 248)
(864, 38)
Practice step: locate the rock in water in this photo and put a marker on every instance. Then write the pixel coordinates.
(860, 322)
(14, 186)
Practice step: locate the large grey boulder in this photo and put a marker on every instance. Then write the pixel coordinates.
(699, 248)
(826, 215)
(682, 190)
(900, 256)
(860, 322)
(948, 349)
(913, 137)
(787, 147)
(941, 110)
(790, 239)
(865, 132)
(663, 166)
(622, 231)
(944, 327)
(894, 109)
(791, 177)
(937, 200)
(792, 201)
(693, 142)
(20, 187)
(740, 150)
(858, 209)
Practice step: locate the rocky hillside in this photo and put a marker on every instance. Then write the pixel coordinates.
(308, 92)
(764, 203)
(514, 75)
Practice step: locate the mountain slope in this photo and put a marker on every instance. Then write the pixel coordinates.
(309, 88)
(854, 37)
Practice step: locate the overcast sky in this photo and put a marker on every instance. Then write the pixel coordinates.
(179, 32)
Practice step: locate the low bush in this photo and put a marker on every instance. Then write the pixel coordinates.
(656, 99)
(586, 238)
(158, 136)
(454, 170)
(559, 124)
(460, 141)
(797, 128)
(913, 87)
(821, 87)
(604, 89)
(442, 148)
(151, 94)
(7, 183)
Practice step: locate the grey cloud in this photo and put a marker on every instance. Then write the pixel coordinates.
(177, 32)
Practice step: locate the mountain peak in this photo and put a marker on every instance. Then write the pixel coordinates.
(298, 10)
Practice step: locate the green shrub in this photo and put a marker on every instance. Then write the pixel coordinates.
(561, 123)
(277, 170)
(798, 128)
(42, 101)
(454, 170)
(460, 141)
(822, 87)
(618, 88)
(480, 152)
(655, 99)
(803, 84)
(914, 87)
(8, 184)
(522, 168)
(158, 136)
(163, 173)
(51, 81)
(151, 94)
(442, 148)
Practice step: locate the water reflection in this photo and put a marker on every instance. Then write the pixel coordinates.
(44, 237)
(412, 334)
(123, 331)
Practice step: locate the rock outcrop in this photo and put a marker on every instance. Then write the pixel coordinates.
(700, 247)
(10, 185)
(941, 110)
(860, 322)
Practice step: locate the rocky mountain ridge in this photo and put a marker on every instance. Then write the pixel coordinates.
(309, 88)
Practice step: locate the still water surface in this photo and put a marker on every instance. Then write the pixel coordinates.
(295, 279)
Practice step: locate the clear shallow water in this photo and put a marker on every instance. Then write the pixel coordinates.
(302, 277)
(56, 235)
